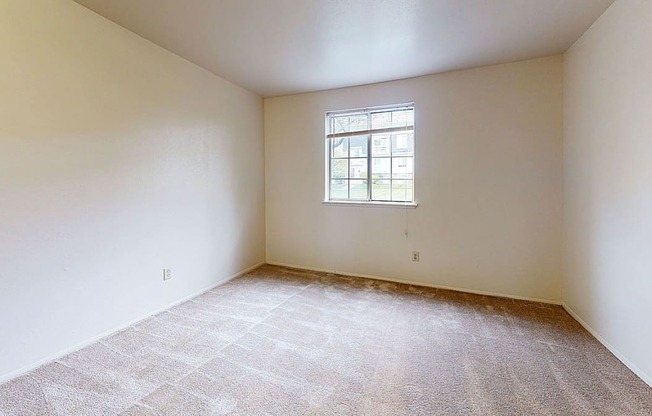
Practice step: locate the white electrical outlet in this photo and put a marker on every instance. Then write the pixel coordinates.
(415, 256)
(167, 274)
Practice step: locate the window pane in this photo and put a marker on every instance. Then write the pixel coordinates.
(340, 147)
(402, 167)
(339, 189)
(358, 189)
(359, 122)
(381, 120)
(358, 168)
(402, 191)
(358, 146)
(380, 145)
(339, 168)
(380, 190)
(381, 167)
(402, 144)
(340, 124)
(402, 118)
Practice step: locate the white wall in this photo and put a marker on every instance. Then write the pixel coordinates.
(488, 183)
(117, 158)
(608, 181)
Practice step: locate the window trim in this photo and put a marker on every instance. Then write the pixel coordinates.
(373, 204)
(327, 163)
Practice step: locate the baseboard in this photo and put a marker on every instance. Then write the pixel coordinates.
(409, 282)
(640, 373)
(26, 369)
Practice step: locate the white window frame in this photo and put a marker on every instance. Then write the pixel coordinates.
(329, 135)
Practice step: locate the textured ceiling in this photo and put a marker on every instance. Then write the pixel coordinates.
(279, 47)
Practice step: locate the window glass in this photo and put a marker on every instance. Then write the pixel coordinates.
(371, 154)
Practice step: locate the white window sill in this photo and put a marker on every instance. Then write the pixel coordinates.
(375, 204)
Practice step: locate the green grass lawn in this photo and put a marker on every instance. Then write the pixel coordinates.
(401, 191)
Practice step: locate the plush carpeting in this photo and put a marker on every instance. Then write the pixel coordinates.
(287, 342)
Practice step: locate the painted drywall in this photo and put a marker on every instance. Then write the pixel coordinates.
(117, 158)
(488, 183)
(608, 181)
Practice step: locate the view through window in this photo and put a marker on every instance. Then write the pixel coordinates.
(371, 154)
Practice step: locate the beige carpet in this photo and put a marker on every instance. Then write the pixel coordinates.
(284, 342)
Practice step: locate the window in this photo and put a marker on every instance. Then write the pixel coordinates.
(370, 154)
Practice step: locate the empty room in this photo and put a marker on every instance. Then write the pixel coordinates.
(325, 207)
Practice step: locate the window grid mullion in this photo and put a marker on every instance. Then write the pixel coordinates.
(348, 173)
(369, 157)
(348, 166)
(370, 173)
(391, 170)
